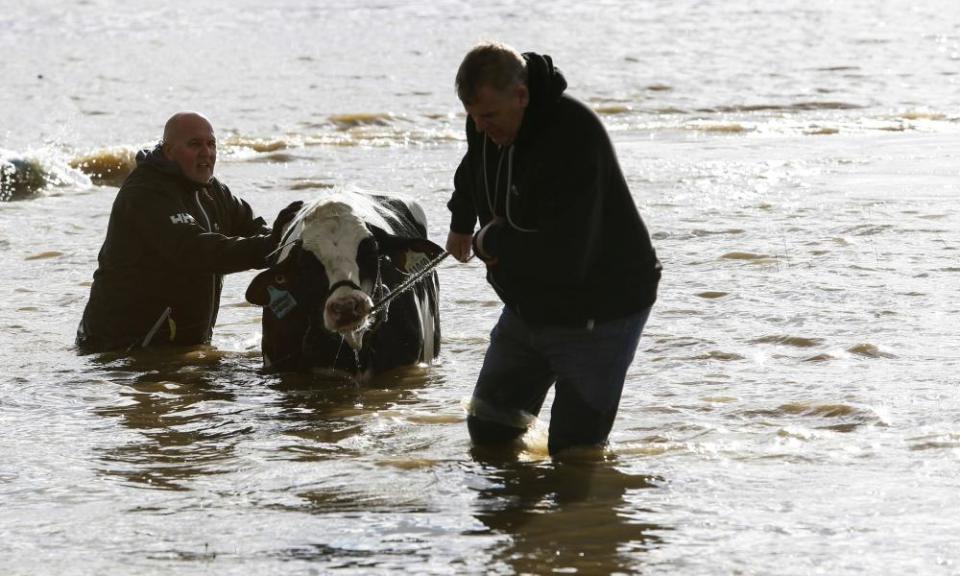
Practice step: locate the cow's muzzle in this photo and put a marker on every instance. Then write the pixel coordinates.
(347, 308)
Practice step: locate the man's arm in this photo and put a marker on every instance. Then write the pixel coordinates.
(183, 243)
(241, 215)
(463, 214)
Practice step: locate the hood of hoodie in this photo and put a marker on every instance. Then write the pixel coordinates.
(545, 83)
(155, 159)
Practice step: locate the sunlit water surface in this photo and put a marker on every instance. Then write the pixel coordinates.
(793, 405)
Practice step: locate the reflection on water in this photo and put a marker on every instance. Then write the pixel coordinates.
(183, 413)
(567, 516)
(191, 408)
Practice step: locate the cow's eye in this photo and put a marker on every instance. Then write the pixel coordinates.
(311, 276)
(367, 254)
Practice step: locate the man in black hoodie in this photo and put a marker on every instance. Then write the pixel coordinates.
(564, 245)
(174, 231)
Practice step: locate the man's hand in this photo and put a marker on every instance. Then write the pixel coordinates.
(478, 239)
(284, 218)
(460, 246)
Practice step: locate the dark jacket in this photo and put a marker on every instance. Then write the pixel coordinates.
(168, 243)
(574, 247)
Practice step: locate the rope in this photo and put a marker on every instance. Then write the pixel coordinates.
(410, 281)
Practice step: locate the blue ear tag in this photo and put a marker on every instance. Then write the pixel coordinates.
(281, 302)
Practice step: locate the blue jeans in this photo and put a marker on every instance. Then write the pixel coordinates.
(587, 364)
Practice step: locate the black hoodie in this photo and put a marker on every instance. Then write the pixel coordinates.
(572, 247)
(168, 243)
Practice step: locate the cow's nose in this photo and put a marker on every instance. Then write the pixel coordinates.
(346, 311)
(347, 307)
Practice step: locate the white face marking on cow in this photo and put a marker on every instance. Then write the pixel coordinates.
(332, 229)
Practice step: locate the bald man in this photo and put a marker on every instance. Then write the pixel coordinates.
(174, 231)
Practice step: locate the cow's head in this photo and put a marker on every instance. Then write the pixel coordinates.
(331, 269)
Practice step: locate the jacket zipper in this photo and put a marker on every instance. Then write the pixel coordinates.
(213, 286)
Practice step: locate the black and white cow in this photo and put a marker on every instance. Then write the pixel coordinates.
(340, 254)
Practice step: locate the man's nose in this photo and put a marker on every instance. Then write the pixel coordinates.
(481, 124)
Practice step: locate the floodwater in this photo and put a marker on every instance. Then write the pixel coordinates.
(793, 407)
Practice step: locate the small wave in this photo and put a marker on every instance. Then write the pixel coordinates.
(732, 231)
(434, 419)
(868, 229)
(720, 399)
(796, 433)
(869, 351)
(822, 131)
(918, 115)
(25, 176)
(311, 185)
(748, 256)
(795, 107)
(45, 255)
(711, 295)
(613, 110)
(837, 417)
(659, 88)
(719, 355)
(274, 158)
(733, 128)
(258, 144)
(347, 121)
(20, 178)
(948, 441)
(669, 110)
(820, 410)
(383, 137)
(796, 341)
(107, 167)
(838, 68)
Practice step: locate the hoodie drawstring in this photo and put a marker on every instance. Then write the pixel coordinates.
(492, 200)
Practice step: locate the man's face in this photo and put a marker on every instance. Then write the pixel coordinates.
(498, 114)
(193, 148)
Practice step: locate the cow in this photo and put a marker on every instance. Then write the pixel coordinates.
(342, 253)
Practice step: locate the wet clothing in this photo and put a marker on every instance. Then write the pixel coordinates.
(169, 242)
(574, 267)
(587, 365)
(572, 247)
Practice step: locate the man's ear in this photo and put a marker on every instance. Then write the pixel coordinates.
(523, 94)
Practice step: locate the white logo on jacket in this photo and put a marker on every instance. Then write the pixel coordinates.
(183, 218)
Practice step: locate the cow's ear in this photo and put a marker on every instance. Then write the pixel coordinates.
(263, 284)
(411, 254)
(257, 290)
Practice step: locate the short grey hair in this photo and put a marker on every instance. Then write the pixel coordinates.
(489, 64)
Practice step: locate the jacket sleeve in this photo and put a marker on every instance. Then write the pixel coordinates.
(242, 217)
(183, 243)
(566, 244)
(463, 214)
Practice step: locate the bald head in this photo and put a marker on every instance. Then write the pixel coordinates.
(188, 140)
